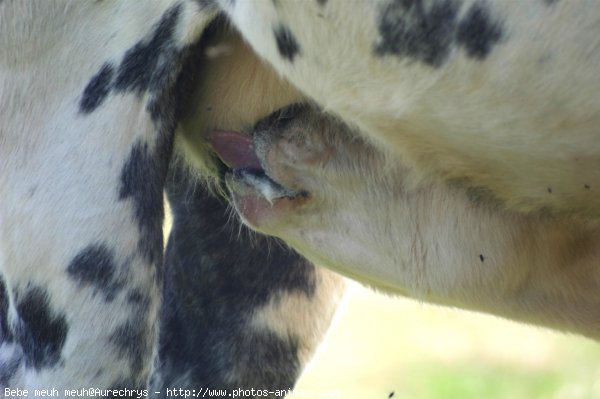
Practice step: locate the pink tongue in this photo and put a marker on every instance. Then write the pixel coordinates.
(235, 149)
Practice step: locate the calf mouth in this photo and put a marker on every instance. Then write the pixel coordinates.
(243, 166)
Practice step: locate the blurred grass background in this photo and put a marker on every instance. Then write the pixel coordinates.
(381, 347)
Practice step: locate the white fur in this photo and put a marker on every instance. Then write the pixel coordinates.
(521, 121)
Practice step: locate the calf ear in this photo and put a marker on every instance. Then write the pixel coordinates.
(241, 310)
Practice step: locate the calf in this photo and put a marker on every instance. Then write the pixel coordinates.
(346, 205)
(315, 182)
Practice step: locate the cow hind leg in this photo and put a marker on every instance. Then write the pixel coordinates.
(241, 310)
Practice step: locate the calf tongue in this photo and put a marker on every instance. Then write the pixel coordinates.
(235, 149)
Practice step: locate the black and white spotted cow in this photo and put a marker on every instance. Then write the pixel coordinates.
(499, 98)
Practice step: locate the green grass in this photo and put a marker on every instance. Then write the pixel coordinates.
(380, 346)
(478, 382)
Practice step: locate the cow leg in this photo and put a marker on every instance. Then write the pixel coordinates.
(241, 309)
(88, 112)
